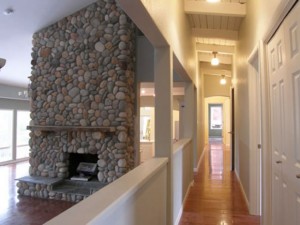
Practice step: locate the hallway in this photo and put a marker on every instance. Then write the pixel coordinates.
(216, 197)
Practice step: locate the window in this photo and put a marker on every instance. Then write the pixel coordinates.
(23, 118)
(14, 136)
(6, 135)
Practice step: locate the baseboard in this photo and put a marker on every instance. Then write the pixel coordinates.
(183, 203)
(200, 160)
(243, 191)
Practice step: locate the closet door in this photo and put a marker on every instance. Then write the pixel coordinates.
(284, 76)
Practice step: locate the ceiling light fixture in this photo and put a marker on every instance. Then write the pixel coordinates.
(212, 1)
(214, 60)
(223, 80)
(2, 63)
(8, 12)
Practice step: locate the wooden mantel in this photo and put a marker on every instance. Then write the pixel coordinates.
(70, 128)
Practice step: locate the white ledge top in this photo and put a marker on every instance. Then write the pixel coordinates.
(98, 203)
(180, 144)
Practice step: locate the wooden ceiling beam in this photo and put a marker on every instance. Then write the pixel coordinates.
(218, 9)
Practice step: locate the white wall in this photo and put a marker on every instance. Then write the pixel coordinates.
(214, 88)
(175, 29)
(260, 16)
(144, 60)
(12, 92)
(182, 175)
(138, 197)
(164, 22)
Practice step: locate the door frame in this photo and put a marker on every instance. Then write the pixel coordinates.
(279, 15)
(232, 130)
(210, 105)
(225, 101)
(254, 77)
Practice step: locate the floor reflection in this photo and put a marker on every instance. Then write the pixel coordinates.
(216, 197)
(216, 161)
(20, 210)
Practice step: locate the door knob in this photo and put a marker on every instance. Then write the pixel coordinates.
(279, 161)
(298, 176)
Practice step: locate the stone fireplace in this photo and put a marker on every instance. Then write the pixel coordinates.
(82, 99)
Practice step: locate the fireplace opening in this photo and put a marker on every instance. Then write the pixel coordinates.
(83, 165)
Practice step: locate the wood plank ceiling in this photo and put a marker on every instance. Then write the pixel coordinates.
(215, 26)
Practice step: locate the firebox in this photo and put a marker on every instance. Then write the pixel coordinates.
(83, 165)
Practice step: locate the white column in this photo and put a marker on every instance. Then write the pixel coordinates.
(163, 78)
(190, 122)
(137, 155)
(188, 111)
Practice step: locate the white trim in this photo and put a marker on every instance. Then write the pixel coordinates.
(254, 132)
(183, 203)
(14, 161)
(209, 48)
(266, 140)
(242, 189)
(214, 33)
(234, 9)
(200, 160)
(253, 54)
(282, 11)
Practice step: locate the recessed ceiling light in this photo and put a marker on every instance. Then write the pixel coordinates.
(8, 12)
(212, 1)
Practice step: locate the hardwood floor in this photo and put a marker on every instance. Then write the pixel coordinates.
(216, 197)
(20, 210)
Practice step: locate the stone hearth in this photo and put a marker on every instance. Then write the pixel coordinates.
(82, 98)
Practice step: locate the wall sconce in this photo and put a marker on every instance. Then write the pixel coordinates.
(223, 80)
(214, 61)
(2, 63)
(23, 94)
(8, 12)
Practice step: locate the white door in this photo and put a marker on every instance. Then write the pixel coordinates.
(284, 72)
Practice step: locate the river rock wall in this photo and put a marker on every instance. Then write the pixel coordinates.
(83, 76)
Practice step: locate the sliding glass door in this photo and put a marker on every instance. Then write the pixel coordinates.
(22, 147)
(14, 137)
(6, 135)
(215, 120)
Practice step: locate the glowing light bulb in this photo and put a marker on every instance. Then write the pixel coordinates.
(215, 61)
(213, 1)
(223, 80)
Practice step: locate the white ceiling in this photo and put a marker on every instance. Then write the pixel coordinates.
(16, 32)
(215, 27)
